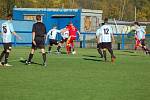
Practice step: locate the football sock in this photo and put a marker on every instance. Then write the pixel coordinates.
(30, 57)
(111, 52)
(100, 52)
(49, 49)
(6, 57)
(2, 55)
(58, 48)
(104, 53)
(44, 57)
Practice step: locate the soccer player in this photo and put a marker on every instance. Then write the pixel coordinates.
(65, 36)
(140, 38)
(7, 31)
(99, 43)
(72, 36)
(51, 36)
(38, 40)
(106, 36)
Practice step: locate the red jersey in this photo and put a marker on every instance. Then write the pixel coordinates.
(72, 31)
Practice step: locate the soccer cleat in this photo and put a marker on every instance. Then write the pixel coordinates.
(28, 63)
(113, 59)
(1, 64)
(44, 64)
(49, 52)
(74, 52)
(58, 53)
(8, 65)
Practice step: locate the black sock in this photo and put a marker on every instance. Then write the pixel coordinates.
(104, 53)
(49, 49)
(100, 52)
(30, 57)
(6, 57)
(72, 49)
(58, 48)
(111, 52)
(44, 57)
(2, 55)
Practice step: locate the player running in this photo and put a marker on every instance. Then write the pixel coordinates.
(105, 35)
(38, 40)
(72, 36)
(140, 38)
(7, 31)
(51, 36)
(99, 43)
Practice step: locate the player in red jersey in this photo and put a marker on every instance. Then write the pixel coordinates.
(72, 36)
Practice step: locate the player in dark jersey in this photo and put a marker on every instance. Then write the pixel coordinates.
(38, 40)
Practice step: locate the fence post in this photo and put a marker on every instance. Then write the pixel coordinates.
(123, 41)
(84, 40)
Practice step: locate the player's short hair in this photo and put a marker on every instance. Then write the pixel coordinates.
(136, 23)
(9, 16)
(38, 17)
(106, 20)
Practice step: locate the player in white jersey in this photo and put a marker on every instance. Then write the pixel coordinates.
(7, 31)
(106, 37)
(99, 43)
(51, 36)
(140, 37)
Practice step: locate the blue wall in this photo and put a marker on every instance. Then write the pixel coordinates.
(18, 14)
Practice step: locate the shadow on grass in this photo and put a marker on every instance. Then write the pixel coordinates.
(90, 56)
(93, 59)
(129, 51)
(24, 62)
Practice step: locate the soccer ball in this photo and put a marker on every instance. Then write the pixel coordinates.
(74, 52)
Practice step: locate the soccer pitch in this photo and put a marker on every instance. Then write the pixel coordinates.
(84, 76)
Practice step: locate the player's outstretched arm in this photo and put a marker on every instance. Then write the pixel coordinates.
(14, 33)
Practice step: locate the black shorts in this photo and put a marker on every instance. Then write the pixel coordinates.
(99, 45)
(7, 46)
(63, 40)
(40, 43)
(107, 45)
(52, 41)
(142, 41)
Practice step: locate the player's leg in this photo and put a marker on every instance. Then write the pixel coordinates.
(99, 50)
(147, 51)
(50, 45)
(104, 50)
(68, 46)
(44, 56)
(104, 54)
(7, 48)
(30, 56)
(72, 44)
(110, 50)
(1, 56)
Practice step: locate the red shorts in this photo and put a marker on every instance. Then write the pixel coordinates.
(137, 43)
(71, 39)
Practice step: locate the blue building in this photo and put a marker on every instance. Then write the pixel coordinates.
(85, 20)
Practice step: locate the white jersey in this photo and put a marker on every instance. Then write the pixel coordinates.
(140, 32)
(99, 35)
(105, 33)
(7, 29)
(65, 34)
(52, 33)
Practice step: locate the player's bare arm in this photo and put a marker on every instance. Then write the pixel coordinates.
(33, 37)
(14, 33)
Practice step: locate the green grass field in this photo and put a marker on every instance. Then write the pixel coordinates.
(84, 76)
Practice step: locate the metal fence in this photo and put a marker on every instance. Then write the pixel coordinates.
(87, 40)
